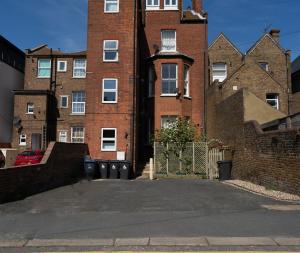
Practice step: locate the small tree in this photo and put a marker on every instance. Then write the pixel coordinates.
(178, 133)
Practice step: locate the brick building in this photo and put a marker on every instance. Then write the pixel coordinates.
(264, 69)
(146, 68)
(51, 107)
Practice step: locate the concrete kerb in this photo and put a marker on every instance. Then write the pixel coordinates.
(154, 241)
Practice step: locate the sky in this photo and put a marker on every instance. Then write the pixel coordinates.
(63, 23)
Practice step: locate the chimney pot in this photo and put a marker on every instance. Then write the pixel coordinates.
(275, 34)
(197, 5)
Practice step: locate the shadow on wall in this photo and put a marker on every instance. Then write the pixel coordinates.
(62, 165)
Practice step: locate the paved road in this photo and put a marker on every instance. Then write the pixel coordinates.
(135, 209)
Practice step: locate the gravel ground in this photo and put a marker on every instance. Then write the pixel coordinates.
(263, 191)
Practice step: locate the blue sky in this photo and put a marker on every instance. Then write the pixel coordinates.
(62, 23)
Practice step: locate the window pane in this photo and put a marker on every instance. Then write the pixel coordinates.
(165, 71)
(110, 84)
(44, 73)
(112, 55)
(45, 63)
(110, 45)
(165, 87)
(109, 133)
(173, 71)
(108, 145)
(155, 2)
(109, 96)
(79, 63)
(172, 87)
(111, 7)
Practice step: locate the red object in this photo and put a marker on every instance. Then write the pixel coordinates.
(29, 157)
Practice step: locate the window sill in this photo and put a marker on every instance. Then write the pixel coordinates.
(152, 8)
(171, 8)
(169, 95)
(22, 145)
(79, 77)
(63, 107)
(105, 150)
(110, 103)
(43, 77)
(187, 97)
(108, 61)
(29, 113)
(111, 12)
(77, 114)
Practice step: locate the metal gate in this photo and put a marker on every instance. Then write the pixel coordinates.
(195, 159)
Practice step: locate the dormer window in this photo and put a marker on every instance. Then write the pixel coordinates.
(152, 5)
(171, 5)
(168, 40)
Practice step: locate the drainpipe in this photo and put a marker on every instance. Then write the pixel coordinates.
(205, 74)
(133, 147)
(288, 73)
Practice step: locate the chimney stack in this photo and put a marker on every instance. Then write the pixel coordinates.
(197, 5)
(275, 34)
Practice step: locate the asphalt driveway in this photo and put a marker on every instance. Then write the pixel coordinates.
(131, 209)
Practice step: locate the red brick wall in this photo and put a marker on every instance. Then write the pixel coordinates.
(116, 26)
(191, 41)
(61, 165)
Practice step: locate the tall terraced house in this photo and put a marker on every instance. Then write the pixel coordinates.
(146, 67)
(112, 79)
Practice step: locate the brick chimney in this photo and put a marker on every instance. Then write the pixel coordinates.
(275, 34)
(197, 5)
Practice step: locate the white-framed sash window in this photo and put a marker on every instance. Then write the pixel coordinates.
(110, 50)
(168, 40)
(219, 71)
(108, 139)
(79, 68)
(171, 4)
(110, 90)
(78, 102)
(152, 4)
(44, 68)
(61, 66)
(77, 134)
(63, 136)
(169, 79)
(111, 6)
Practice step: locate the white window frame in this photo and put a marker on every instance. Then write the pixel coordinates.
(61, 97)
(153, 6)
(170, 79)
(276, 100)
(60, 136)
(22, 143)
(170, 6)
(73, 103)
(111, 1)
(74, 68)
(111, 50)
(110, 90)
(186, 90)
(162, 41)
(151, 82)
(43, 59)
(220, 78)
(108, 139)
(168, 117)
(76, 137)
(58, 66)
(30, 108)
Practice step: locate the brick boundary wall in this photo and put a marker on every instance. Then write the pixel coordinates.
(62, 165)
(271, 159)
